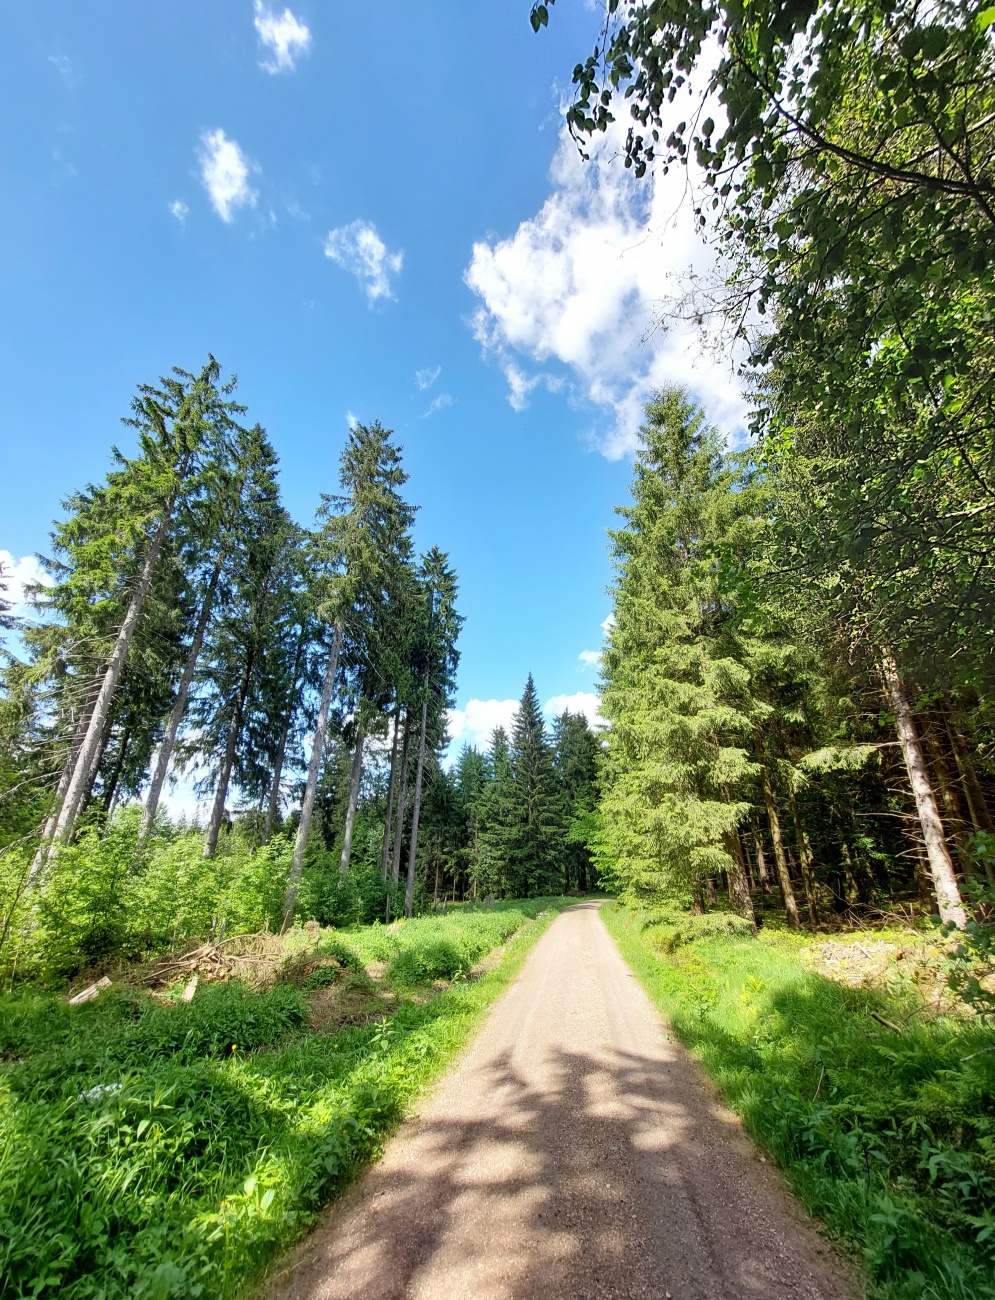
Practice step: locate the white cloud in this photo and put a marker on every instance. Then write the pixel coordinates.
(16, 575)
(225, 171)
(474, 724)
(585, 702)
(284, 35)
(590, 658)
(180, 211)
(439, 404)
(575, 292)
(427, 377)
(351, 419)
(359, 249)
(608, 623)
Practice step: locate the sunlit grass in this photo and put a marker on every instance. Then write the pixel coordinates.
(154, 1151)
(887, 1135)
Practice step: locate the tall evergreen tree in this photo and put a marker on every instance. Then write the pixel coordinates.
(535, 846)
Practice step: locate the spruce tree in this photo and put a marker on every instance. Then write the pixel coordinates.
(535, 847)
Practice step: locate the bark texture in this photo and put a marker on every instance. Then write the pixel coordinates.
(941, 867)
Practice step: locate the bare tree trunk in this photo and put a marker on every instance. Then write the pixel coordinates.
(273, 803)
(112, 674)
(409, 893)
(780, 857)
(758, 845)
(224, 776)
(804, 862)
(924, 881)
(178, 711)
(388, 821)
(350, 815)
(395, 869)
(977, 806)
(313, 769)
(112, 784)
(956, 826)
(941, 867)
(710, 890)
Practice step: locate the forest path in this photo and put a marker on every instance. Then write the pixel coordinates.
(575, 1150)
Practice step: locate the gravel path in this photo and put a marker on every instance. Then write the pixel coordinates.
(575, 1151)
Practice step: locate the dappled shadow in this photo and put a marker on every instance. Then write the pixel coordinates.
(575, 1152)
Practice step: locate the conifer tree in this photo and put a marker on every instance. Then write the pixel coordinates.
(675, 696)
(535, 845)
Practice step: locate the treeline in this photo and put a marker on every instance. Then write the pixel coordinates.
(810, 628)
(191, 625)
(756, 745)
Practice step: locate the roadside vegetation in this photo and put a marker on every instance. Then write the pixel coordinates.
(151, 1147)
(856, 1071)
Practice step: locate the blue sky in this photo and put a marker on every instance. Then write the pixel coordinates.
(366, 213)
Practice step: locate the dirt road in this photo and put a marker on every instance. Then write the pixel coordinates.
(575, 1151)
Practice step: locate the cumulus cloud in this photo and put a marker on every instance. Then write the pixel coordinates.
(351, 419)
(474, 724)
(574, 294)
(284, 35)
(179, 210)
(427, 377)
(585, 702)
(359, 249)
(15, 575)
(608, 623)
(225, 172)
(590, 658)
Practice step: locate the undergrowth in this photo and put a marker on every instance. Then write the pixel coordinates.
(887, 1134)
(155, 1150)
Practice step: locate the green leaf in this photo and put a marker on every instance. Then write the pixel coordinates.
(985, 19)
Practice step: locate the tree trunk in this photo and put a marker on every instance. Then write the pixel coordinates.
(273, 804)
(102, 705)
(388, 821)
(977, 807)
(224, 776)
(804, 862)
(178, 711)
(350, 815)
(409, 893)
(956, 826)
(395, 869)
(780, 857)
(758, 845)
(112, 784)
(65, 776)
(942, 869)
(924, 881)
(737, 880)
(697, 897)
(710, 890)
(313, 768)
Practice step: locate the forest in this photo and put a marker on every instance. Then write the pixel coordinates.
(300, 679)
(785, 820)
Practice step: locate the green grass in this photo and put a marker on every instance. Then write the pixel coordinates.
(887, 1137)
(149, 1150)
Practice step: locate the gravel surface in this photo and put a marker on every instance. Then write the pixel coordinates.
(577, 1151)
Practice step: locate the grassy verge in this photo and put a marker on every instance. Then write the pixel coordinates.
(150, 1149)
(886, 1134)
